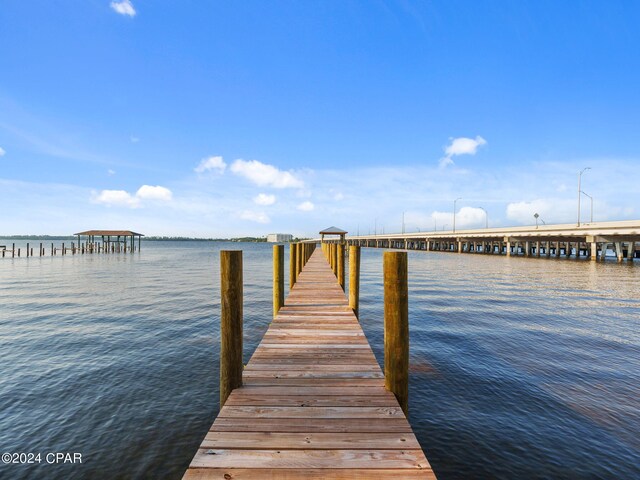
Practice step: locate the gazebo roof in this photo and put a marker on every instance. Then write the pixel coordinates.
(113, 233)
(333, 231)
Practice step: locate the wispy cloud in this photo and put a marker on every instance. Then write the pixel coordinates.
(133, 139)
(258, 217)
(211, 164)
(264, 199)
(265, 175)
(2, 152)
(306, 206)
(124, 7)
(461, 146)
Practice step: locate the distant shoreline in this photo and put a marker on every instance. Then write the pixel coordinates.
(146, 239)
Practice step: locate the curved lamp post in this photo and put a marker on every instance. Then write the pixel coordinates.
(580, 189)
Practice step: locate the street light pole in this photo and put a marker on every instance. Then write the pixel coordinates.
(590, 198)
(580, 189)
(486, 217)
(454, 213)
(403, 222)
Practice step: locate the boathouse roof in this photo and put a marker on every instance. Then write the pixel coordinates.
(113, 233)
(333, 231)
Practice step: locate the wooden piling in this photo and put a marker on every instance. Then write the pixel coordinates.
(278, 278)
(293, 269)
(341, 265)
(334, 256)
(396, 327)
(230, 322)
(354, 278)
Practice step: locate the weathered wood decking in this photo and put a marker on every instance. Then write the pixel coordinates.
(313, 402)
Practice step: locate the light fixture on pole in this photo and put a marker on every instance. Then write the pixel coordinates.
(454, 213)
(535, 215)
(580, 189)
(590, 198)
(403, 222)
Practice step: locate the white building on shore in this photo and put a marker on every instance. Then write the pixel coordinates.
(279, 237)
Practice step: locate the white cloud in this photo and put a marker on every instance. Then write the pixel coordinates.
(306, 206)
(264, 199)
(470, 217)
(461, 146)
(258, 217)
(338, 196)
(149, 192)
(2, 152)
(124, 7)
(211, 164)
(117, 198)
(111, 172)
(466, 217)
(523, 212)
(265, 175)
(122, 198)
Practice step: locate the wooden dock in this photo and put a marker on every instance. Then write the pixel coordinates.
(313, 402)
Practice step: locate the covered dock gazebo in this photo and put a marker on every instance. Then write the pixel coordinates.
(110, 237)
(333, 231)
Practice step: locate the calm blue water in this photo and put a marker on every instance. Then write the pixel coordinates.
(520, 368)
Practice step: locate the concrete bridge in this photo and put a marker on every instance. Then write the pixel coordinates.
(591, 240)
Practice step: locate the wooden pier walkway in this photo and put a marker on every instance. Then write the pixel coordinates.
(313, 402)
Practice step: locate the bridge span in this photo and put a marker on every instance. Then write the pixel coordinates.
(589, 240)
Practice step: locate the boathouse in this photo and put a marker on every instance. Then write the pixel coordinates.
(112, 237)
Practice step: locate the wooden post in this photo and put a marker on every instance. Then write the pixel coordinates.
(299, 258)
(278, 278)
(13, 250)
(292, 265)
(341, 265)
(354, 278)
(27, 250)
(230, 322)
(334, 256)
(396, 327)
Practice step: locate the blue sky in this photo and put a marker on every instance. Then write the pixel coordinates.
(245, 118)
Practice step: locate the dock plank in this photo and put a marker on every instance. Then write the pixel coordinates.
(313, 403)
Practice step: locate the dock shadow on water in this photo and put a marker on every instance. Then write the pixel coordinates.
(520, 368)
